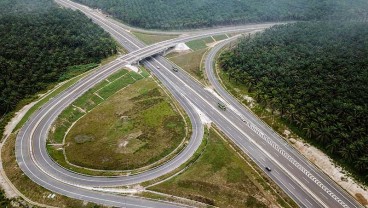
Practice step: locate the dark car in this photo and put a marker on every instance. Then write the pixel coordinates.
(268, 168)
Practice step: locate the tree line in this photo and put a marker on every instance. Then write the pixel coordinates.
(315, 74)
(39, 44)
(179, 14)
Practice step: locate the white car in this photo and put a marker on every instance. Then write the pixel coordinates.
(158, 66)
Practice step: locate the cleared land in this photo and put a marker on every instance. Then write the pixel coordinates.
(152, 38)
(132, 128)
(220, 177)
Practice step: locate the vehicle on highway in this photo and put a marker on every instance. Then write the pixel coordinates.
(268, 169)
(158, 66)
(175, 69)
(221, 106)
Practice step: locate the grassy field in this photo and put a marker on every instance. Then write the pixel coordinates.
(220, 177)
(190, 62)
(220, 37)
(136, 126)
(88, 101)
(30, 189)
(197, 44)
(152, 38)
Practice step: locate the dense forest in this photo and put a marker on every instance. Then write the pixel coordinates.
(179, 14)
(315, 74)
(39, 43)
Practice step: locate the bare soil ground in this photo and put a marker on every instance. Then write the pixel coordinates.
(335, 172)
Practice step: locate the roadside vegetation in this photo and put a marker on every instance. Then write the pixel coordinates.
(221, 177)
(42, 44)
(177, 14)
(136, 126)
(149, 38)
(30, 189)
(4, 202)
(312, 77)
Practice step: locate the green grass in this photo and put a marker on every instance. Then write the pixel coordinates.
(74, 71)
(190, 62)
(220, 37)
(208, 40)
(220, 177)
(144, 72)
(86, 103)
(136, 76)
(152, 38)
(117, 75)
(199, 44)
(113, 87)
(185, 165)
(136, 126)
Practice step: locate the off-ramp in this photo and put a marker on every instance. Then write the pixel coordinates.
(301, 180)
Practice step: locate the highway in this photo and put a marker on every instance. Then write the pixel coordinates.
(301, 180)
(301, 163)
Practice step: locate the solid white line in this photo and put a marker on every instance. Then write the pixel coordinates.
(323, 195)
(290, 166)
(309, 202)
(305, 180)
(292, 186)
(250, 139)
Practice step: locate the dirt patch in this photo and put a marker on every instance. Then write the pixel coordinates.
(81, 139)
(335, 172)
(361, 199)
(15, 120)
(9, 192)
(130, 143)
(249, 100)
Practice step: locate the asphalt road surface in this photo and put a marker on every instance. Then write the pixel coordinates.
(302, 181)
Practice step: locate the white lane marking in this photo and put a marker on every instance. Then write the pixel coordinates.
(323, 195)
(254, 128)
(195, 135)
(292, 186)
(305, 180)
(291, 192)
(309, 202)
(290, 166)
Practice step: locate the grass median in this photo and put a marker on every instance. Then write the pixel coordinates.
(221, 177)
(152, 38)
